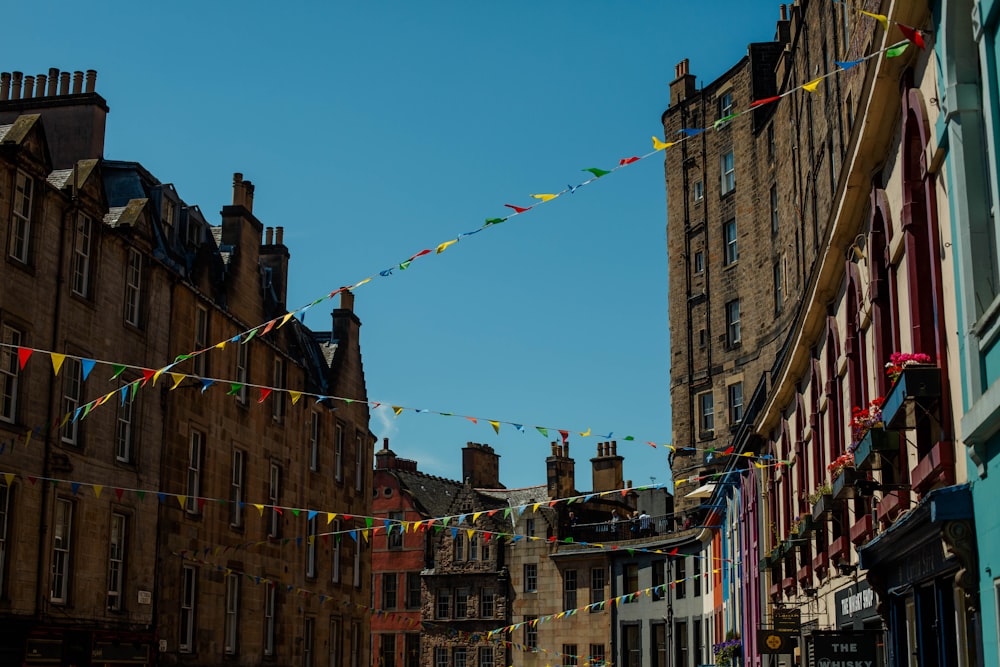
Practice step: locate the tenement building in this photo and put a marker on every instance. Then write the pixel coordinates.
(175, 514)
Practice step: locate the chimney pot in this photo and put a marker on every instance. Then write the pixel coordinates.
(4, 86)
(15, 86)
(77, 82)
(64, 83)
(29, 87)
(385, 443)
(53, 81)
(91, 80)
(248, 198)
(40, 85)
(614, 448)
(347, 300)
(268, 235)
(555, 449)
(784, 12)
(237, 189)
(279, 235)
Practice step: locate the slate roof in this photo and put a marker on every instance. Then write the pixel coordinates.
(433, 494)
(125, 215)
(4, 129)
(58, 177)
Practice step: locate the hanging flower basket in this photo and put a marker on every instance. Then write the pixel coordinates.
(843, 484)
(915, 391)
(875, 441)
(823, 506)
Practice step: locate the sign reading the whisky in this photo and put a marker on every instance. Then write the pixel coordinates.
(844, 649)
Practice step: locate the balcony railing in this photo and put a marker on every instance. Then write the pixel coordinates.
(617, 531)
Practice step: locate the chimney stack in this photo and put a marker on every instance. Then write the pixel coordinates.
(481, 466)
(683, 85)
(607, 467)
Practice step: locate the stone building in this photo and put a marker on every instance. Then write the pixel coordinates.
(173, 511)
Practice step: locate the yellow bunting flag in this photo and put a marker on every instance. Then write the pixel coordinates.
(366, 280)
(470, 532)
(396, 409)
(496, 426)
(284, 320)
(444, 246)
(659, 145)
(178, 378)
(545, 197)
(812, 85)
(296, 395)
(260, 508)
(181, 500)
(9, 477)
(57, 361)
(535, 507)
(156, 375)
(330, 516)
(585, 434)
(97, 490)
(222, 345)
(881, 18)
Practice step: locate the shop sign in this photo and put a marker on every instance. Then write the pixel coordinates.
(856, 601)
(844, 649)
(130, 653)
(43, 650)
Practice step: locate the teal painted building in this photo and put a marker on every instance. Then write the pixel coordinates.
(967, 58)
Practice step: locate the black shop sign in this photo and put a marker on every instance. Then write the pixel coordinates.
(844, 648)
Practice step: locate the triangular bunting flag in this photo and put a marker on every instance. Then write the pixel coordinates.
(57, 361)
(23, 354)
(87, 365)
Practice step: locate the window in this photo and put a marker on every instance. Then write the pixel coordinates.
(242, 372)
(20, 224)
(72, 396)
(169, 214)
(484, 550)
(236, 492)
(10, 370)
(531, 631)
(597, 578)
(442, 607)
(681, 578)
(461, 603)
(308, 634)
(770, 142)
(389, 590)
(486, 658)
(733, 323)
(597, 655)
(273, 498)
(231, 628)
(441, 657)
(311, 548)
(81, 255)
(116, 562)
(338, 452)
(474, 547)
(699, 191)
(731, 252)
(569, 654)
(359, 460)
(394, 538)
(278, 396)
(4, 523)
(529, 527)
(335, 577)
(569, 589)
(774, 209)
(195, 453)
(123, 427)
(411, 649)
(725, 101)
(201, 340)
(696, 576)
(458, 547)
(659, 644)
(779, 287)
(735, 403)
(133, 287)
(659, 591)
(728, 173)
(459, 656)
(355, 644)
(487, 603)
(706, 412)
(631, 583)
(336, 653)
(314, 441)
(530, 577)
(632, 646)
(412, 590)
(357, 563)
(270, 593)
(61, 545)
(696, 640)
(680, 643)
(699, 262)
(387, 650)
(189, 582)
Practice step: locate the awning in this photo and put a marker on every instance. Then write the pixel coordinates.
(704, 491)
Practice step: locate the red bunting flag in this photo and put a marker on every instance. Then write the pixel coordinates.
(766, 100)
(627, 160)
(912, 34)
(519, 209)
(565, 435)
(23, 354)
(420, 254)
(118, 493)
(264, 393)
(147, 375)
(473, 420)
(673, 552)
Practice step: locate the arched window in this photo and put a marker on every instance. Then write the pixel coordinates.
(885, 323)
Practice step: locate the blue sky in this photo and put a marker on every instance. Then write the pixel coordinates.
(374, 130)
